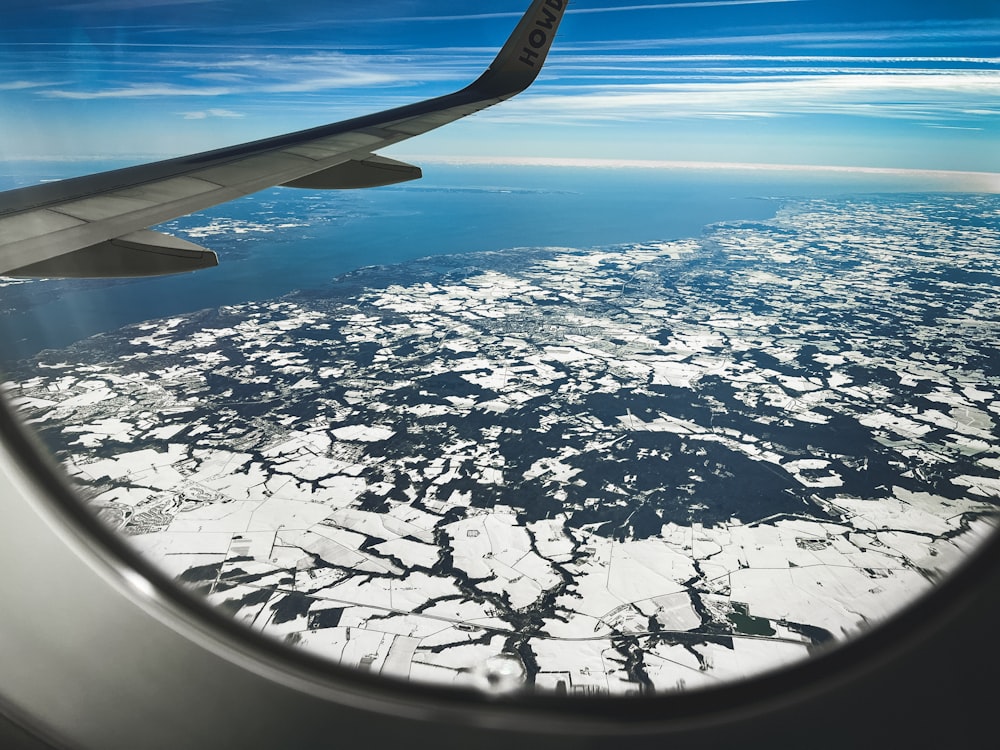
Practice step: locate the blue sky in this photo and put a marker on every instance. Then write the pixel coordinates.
(881, 83)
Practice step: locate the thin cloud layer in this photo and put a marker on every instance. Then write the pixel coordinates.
(207, 113)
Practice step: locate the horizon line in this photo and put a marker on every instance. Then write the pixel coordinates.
(991, 178)
(985, 179)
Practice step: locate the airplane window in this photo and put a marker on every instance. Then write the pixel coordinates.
(675, 369)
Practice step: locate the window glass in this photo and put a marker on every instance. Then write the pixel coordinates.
(620, 398)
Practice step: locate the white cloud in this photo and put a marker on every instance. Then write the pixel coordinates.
(208, 75)
(220, 77)
(875, 36)
(788, 58)
(937, 126)
(261, 84)
(671, 6)
(207, 113)
(135, 91)
(923, 95)
(351, 69)
(605, 9)
(964, 180)
(25, 85)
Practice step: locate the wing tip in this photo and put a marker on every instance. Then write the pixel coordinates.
(519, 61)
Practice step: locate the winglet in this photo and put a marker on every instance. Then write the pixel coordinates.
(518, 63)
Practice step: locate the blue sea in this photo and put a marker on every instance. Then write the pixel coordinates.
(282, 240)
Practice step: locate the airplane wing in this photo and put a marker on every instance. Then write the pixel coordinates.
(97, 225)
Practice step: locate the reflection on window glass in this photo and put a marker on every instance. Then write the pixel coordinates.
(589, 430)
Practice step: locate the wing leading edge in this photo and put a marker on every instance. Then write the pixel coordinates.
(97, 225)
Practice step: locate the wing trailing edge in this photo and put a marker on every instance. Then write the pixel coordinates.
(98, 225)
